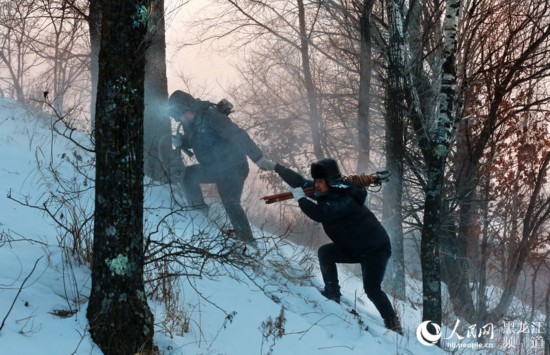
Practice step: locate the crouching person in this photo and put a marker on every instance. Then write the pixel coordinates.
(357, 235)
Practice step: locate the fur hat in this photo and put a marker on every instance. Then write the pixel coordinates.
(327, 169)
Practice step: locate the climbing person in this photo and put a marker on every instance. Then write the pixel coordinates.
(356, 234)
(221, 148)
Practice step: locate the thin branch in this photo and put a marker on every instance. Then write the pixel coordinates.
(19, 292)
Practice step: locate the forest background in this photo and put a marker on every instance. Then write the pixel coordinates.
(450, 96)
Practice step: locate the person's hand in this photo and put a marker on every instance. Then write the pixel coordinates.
(298, 193)
(265, 164)
(177, 140)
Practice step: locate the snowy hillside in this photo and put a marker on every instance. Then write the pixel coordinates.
(236, 308)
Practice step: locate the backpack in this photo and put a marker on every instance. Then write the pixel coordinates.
(224, 106)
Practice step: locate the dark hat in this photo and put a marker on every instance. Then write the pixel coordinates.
(327, 169)
(179, 103)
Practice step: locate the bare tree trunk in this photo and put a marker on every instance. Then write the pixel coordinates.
(455, 262)
(19, 95)
(429, 248)
(94, 23)
(395, 146)
(365, 74)
(157, 121)
(538, 212)
(314, 116)
(471, 150)
(120, 319)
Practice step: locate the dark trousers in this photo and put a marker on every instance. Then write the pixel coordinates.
(373, 267)
(230, 189)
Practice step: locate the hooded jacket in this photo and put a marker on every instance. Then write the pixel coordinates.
(341, 210)
(220, 146)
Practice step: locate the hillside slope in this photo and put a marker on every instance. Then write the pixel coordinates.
(239, 307)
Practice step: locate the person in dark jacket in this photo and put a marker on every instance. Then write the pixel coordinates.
(357, 235)
(221, 149)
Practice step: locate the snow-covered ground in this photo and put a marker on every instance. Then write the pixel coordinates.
(230, 309)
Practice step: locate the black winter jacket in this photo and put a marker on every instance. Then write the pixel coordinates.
(220, 146)
(341, 211)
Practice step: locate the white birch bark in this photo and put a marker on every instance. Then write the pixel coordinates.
(441, 140)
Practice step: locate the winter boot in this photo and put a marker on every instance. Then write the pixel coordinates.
(332, 292)
(394, 324)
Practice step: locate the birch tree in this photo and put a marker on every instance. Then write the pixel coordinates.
(440, 141)
(120, 319)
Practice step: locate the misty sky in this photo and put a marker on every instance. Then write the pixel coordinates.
(207, 70)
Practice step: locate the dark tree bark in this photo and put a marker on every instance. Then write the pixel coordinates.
(365, 74)
(395, 147)
(455, 265)
(159, 155)
(119, 317)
